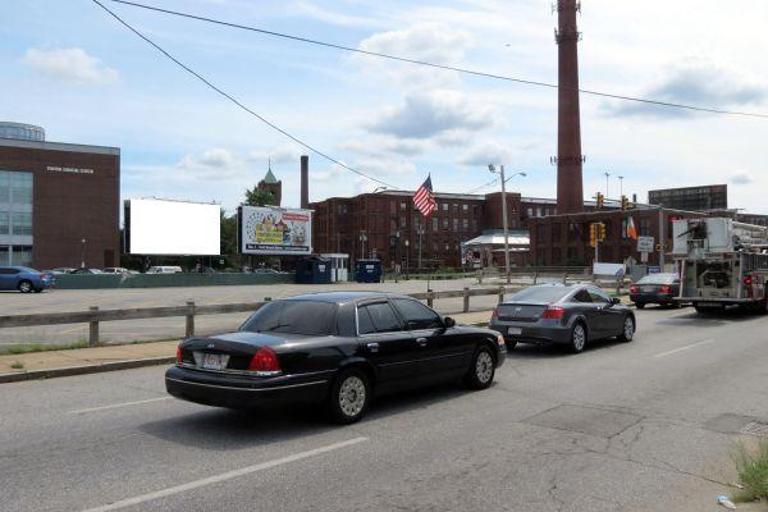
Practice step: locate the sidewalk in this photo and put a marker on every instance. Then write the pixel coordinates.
(59, 363)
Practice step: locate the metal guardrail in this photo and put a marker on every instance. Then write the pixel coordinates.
(94, 316)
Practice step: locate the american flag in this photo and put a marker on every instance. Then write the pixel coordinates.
(424, 199)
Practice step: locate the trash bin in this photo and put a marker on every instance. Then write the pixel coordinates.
(313, 270)
(368, 271)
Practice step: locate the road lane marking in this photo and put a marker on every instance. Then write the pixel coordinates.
(681, 349)
(116, 406)
(229, 475)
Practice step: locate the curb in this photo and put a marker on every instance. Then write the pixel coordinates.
(85, 369)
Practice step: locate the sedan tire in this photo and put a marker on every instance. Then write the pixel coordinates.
(482, 370)
(640, 305)
(350, 397)
(578, 338)
(628, 332)
(25, 286)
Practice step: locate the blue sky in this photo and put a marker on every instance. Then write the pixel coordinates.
(72, 69)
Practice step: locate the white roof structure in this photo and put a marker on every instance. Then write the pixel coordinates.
(517, 237)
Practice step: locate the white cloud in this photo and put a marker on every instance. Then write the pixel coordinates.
(340, 19)
(742, 178)
(484, 153)
(427, 114)
(72, 65)
(287, 153)
(382, 145)
(432, 42)
(215, 163)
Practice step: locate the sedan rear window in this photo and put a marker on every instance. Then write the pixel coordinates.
(540, 294)
(311, 318)
(658, 279)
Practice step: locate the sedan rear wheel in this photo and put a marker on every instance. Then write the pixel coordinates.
(350, 397)
(482, 371)
(578, 338)
(629, 330)
(25, 287)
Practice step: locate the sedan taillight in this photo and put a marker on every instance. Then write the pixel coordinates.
(634, 289)
(265, 362)
(666, 289)
(179, 355)
(553, 313)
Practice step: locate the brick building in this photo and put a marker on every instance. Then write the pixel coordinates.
(564, 239)
(386, 225)
(59, 203)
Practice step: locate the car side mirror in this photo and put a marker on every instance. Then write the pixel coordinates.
(615, 301)
(449, 322)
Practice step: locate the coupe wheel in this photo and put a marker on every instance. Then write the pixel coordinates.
(578, 338)
(25, 287)
(640, 305)
(350, 397)
(482, 371)
(629, 330)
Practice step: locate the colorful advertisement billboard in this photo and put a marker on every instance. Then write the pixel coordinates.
(275, 231)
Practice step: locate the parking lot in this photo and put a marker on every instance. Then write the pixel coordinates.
(647, 425)
(13, 303)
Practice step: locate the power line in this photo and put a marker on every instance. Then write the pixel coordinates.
(483, 74)
(237, 102)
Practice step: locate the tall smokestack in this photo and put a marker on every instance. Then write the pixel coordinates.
(304, 181)
(570, 192)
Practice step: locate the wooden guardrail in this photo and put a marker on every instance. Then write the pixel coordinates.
(94, 316)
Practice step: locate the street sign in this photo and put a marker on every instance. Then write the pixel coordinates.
(654, 270)
(645, 243)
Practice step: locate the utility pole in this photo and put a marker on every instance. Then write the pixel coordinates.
(662, 238)
(505, 221)
(363, 239)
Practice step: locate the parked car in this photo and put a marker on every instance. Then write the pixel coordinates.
(336, 349)
(62, 270)
(24, 279)
(656, 289)
(571, 315)
(86, 271)
(115, 270)
(164, 269)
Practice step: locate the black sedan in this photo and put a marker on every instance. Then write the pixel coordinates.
(336, 349)
(656, 289)
(567, 315)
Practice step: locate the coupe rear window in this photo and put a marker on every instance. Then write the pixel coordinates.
(658, 279)
(540, 294)
(311, 318)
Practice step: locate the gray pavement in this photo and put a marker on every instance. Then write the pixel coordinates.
(12, 303)
(647, 425)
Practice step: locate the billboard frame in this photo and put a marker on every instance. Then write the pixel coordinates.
(250, 247)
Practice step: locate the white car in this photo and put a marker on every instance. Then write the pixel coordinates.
(116, 270)
(164, 270)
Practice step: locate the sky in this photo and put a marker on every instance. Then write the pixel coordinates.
(71, 68)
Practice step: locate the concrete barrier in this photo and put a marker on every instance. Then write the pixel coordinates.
(101, 281)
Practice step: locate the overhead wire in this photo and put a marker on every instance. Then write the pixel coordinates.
(419, 62)
(237, 102)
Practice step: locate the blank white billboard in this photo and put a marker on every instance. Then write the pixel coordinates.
(159, 227)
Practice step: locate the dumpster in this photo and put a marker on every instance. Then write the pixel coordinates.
(313, 270)
(368, 271)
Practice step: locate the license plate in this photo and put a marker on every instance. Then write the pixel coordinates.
(515, 331)
(648, 289)
(211, 361)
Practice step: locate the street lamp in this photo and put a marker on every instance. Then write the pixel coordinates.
(492, 168)
(363, 239)
(407, 256)
(621, 186)
(607, 175)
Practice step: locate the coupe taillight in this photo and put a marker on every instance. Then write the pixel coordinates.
(179, 355)
(265, 362)
(553, 313)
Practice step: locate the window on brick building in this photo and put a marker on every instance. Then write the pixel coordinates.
(465, 207)
(645, 227)
(465, 224)
(393, 207)
(455, 224)
(445, 223)
(402, 207)
(445, 206)
(434, 223)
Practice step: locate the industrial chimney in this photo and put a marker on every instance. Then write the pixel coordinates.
(304, 181)
(570, 192)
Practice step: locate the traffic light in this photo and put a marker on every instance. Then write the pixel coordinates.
(600, 201)
(601, 232)
(625, 203)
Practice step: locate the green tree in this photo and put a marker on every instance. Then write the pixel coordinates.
(228, 234)
(258, 197)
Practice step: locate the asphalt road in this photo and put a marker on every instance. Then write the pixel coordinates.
(14, 303)
(647, 425)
